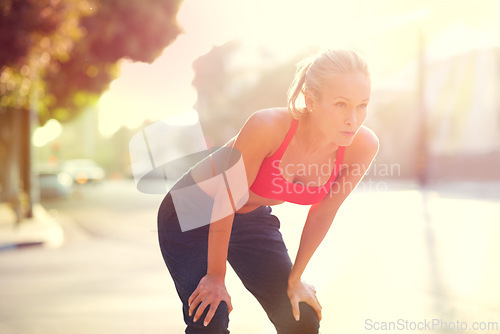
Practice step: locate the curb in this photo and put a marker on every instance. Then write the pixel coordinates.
(41, 230)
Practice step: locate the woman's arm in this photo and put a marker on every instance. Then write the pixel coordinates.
(253, 143)
(320, 217)
(212, 290)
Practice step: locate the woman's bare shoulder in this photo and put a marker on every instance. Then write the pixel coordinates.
(273, 119)
(269, 123)
(265, 128)
(367, 139)
(364, 146)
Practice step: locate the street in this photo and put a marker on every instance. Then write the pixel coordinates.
(107, 277)
(385, 259)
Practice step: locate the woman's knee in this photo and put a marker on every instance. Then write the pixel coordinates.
(307, 324)
(218, 325)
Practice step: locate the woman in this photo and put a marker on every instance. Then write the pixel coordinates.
(282, 149)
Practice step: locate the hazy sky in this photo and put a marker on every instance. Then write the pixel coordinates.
(385, 31)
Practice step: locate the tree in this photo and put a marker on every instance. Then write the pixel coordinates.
(58, 56)
(214, 81)
(228, 94)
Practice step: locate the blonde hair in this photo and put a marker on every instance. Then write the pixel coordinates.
(314, 72)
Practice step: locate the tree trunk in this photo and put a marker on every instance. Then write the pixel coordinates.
(25, 162)
(11, 152)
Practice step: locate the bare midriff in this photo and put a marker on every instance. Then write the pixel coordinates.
(254, 201)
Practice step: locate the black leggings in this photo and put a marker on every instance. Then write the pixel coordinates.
(257, 254)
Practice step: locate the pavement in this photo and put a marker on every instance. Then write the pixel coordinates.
(395, 256)
(40, 230)
(399, 258)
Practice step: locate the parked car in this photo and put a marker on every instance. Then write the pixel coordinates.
(54, 184)
(84, 170)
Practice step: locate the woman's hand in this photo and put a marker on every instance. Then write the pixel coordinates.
(302, 292)
(210, 291)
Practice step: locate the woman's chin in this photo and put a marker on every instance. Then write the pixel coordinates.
(345, 141)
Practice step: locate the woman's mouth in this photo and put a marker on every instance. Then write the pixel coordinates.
(348, 133)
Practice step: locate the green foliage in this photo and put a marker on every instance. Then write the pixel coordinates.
(33, 36)
(228, 94)
(138, 30)
(58, 56)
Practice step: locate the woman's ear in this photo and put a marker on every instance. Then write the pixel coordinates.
(309, 100)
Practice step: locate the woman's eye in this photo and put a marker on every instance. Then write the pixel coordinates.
(341, 105)
(363, 106)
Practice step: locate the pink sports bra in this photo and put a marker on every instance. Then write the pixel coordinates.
(270, 183)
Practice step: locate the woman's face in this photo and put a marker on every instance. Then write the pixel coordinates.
(340, 110)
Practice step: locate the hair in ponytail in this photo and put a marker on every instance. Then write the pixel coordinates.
(296, 89)
(313, 73)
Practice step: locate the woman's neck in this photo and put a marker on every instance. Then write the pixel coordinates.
(309, 138)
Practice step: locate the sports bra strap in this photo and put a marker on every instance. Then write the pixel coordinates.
(281, 150)
(338, 162)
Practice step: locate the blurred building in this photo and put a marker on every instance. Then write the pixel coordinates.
(461, 111)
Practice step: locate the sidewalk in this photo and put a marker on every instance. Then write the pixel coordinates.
(41, 230)
(393, 256)
(405, 255)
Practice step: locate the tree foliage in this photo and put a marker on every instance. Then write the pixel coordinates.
(138, 30)
(33, 36)
(228, 94)
(58, 56)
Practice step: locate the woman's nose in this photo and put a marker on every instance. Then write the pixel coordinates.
(351, 119)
